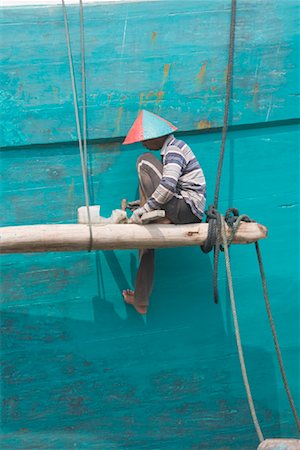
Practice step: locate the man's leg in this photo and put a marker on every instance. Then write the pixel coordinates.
(179, 212)
(150, 173)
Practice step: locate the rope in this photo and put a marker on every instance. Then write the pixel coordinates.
(213, 239)
(217, 226)
(227, 99)
(82, 156)
(237, 332)
(277, 347)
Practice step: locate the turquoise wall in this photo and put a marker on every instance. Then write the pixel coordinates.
(167, 56)
(79, 368)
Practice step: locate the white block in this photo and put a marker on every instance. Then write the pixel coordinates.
(94, 214)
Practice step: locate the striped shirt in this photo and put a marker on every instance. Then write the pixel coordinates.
(182, 177)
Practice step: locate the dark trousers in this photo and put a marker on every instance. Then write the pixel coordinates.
(177, 211)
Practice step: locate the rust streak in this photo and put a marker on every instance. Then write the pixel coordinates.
(166, 72)
(160, 96)
(201, 73)
(153, 37)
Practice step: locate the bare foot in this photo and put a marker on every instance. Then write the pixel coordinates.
(128, 296)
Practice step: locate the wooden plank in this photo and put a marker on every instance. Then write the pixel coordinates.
(279, 444)
(73, 237)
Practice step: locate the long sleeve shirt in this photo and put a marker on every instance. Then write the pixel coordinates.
(182, 177)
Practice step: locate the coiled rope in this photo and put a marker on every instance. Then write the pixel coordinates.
(81, 139)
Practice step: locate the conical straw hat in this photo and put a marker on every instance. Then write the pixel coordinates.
(148, 126)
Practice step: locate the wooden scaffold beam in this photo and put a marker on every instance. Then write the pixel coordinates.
(76, 237)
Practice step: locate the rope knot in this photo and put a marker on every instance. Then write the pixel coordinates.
(232, 216)
(211, 213)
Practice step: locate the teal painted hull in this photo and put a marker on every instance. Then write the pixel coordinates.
(79, 368)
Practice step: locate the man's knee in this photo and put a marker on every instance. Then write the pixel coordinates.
(147, 156)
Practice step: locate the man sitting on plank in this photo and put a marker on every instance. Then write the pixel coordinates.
(175, 185)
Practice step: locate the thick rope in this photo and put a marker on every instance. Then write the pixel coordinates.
(217, 226)
(237, 332)
(82, 157)
(277, 347)
(213, 239)
(227, 99)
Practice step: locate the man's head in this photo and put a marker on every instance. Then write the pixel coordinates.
(156, 143)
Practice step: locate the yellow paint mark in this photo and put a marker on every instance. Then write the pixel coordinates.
(160, 96)
(255, 92)
(109, 97)
(118, 121)
(214, 88)
(153, 37)
(166, 73)
(202, 124)
(123, 98)
(255, 89)
(200, 75)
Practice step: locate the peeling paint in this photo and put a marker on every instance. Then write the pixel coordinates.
(142, 97)
(202, 124)
(153, 37)
(118, 121)
(255, 93)
(160, 96)
(109, 96)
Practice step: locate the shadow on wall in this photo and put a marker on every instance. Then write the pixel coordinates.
(173, 381)
(142, 390)
(181, 293)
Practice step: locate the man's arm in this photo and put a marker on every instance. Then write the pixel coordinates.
(172, 169)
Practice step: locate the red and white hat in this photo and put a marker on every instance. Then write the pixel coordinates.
(148, 126)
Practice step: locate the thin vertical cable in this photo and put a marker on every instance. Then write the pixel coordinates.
(82, 160)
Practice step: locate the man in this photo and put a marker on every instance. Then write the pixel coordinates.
(176, 185)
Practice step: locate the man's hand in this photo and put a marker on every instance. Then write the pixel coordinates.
(136, 216)
(132, 206)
